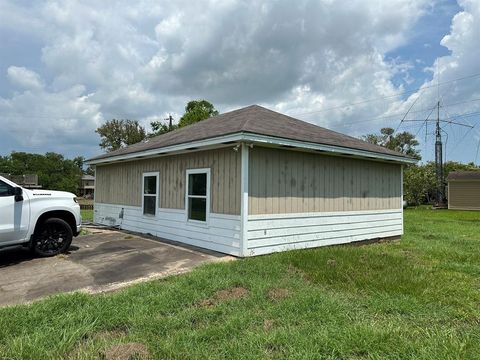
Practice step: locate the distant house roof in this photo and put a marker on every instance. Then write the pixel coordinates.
(88, 177)
(252, 120)
(463, 175)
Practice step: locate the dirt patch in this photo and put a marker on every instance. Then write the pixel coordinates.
(268, 324)
(91, 343)
(293, 270)
(128, 351)
(278, 294)
(230, 294)
(225, 295)
(332, 262)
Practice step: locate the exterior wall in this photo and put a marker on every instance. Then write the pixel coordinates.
(222, 233)
(464, 195)
(281, 232)
(121, 183)
(302, 200)
(285, 182)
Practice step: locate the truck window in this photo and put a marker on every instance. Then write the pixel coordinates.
(5, 189)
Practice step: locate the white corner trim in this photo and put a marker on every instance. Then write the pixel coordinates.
(244, 200)
(255, 138)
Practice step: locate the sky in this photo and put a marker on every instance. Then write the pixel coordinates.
(66, 67)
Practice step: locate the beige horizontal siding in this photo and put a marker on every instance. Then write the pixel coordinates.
(285, 181)
(464, 195)
(121, 183)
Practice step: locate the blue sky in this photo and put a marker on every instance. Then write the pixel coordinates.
(66, 67)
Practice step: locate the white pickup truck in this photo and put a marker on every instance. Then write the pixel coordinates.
(44, 221)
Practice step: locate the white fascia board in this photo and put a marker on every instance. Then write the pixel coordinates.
(168, 149)
(326, 148)
(254, 138)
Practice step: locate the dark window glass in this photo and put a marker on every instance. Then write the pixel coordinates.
(150, 185)
(197, 184)
(149, 205)
(197, 209)
(5, 189)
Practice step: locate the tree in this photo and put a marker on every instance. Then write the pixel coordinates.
(159, 128)
(403, 142)
(419, 181)
(116, 134)
(195, 111)
(53, 170)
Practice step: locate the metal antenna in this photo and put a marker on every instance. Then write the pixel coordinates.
(439, 162)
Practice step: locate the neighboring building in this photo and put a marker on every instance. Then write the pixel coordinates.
(464, 190)
(28, 181)
(87, 186)
(251, 182)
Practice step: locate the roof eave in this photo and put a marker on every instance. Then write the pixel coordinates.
(254, 138)
(339, 150)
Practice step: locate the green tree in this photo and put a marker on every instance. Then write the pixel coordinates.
(419, 181)
(53, 170)
(159, 128)
(116, 134)
(195, 111)
(403, 142)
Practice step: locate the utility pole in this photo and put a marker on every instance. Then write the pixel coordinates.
(439, 162)
(170, 120)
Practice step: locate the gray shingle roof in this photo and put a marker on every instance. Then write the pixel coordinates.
(256, 120)
(463, 175)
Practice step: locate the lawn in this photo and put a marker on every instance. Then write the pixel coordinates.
(87, 215)
(418, 298)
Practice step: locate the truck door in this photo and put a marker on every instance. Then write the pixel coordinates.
(14, 216)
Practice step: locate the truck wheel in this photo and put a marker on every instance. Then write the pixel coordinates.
(53, 237)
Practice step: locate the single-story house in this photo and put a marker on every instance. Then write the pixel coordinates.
(252, 181)
(464, 190)
(87, 186)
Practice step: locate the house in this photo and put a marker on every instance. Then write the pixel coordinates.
(252, 181)
(87, 186)
(28, 181)
(464, 190)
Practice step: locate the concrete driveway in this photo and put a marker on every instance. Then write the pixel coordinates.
(103, 261)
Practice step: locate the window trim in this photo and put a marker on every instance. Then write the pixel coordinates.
(207, 196)
(157, 194)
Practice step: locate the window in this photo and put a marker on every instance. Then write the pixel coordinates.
(150, 193)
(198, 194)
(5, 189)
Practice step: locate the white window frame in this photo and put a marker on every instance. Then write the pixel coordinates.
(157, 195)
(207, 215)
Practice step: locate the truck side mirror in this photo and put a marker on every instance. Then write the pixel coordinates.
(18, 192)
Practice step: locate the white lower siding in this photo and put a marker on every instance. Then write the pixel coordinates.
(273, 233)
(222, 233)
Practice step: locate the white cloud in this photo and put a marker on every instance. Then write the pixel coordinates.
(24, 78)
(144, 59)
(461, 63)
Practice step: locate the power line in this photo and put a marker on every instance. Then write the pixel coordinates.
(411, 112)
(388, 96)
(410, 108)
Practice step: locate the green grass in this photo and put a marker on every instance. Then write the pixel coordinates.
(418, 298)
(87, 215)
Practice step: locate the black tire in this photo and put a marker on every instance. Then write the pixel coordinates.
(52, 238)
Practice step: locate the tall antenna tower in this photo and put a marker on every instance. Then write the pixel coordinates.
(439, 161)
